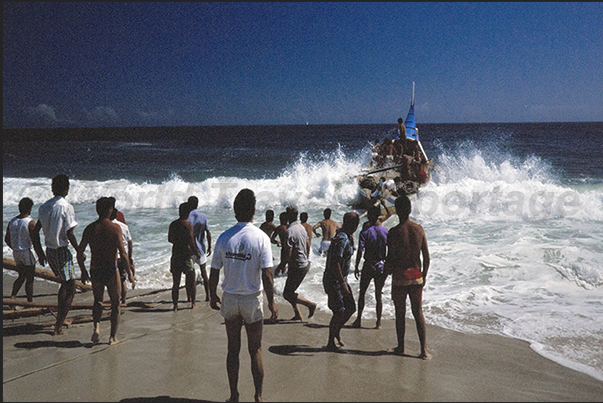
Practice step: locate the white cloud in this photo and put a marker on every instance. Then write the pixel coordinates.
(44, 112)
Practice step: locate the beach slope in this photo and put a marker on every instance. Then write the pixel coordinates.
(181, 356)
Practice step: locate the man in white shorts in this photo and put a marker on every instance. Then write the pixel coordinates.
(200, 232)
(329, 228)
(18, 238)
(245, 253)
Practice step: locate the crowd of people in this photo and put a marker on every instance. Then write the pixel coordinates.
(243, 253)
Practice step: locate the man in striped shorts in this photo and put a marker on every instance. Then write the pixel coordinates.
(57, 218)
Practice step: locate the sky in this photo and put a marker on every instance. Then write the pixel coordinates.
(204, 64)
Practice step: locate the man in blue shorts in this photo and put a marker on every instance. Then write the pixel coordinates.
(245, 253)
(334, 280)
(56, 218)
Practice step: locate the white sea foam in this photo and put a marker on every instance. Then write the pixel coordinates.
(513, 250)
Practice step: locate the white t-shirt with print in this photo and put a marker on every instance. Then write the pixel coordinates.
(243, 251)
(57, 217)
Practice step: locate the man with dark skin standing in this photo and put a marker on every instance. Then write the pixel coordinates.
(56, 218)
(280, 232)
(406, 243)
(340, 297)
(303, 218)
(105, 240)
(245, 253)
(184, 246)
(268, 226)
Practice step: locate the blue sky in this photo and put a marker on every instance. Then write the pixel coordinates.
(156, 64)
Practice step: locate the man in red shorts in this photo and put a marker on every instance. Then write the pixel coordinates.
(406, 242)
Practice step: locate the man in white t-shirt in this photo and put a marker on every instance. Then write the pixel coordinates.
(200, 232)
(245, 253)
(18, 238)
(57, 218)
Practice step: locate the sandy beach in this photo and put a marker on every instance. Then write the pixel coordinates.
(180, 356)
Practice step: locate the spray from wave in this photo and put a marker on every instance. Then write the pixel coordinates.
(469, 182)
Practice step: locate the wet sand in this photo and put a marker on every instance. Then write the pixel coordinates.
(181, 357)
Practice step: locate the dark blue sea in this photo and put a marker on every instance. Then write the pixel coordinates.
(513, 213)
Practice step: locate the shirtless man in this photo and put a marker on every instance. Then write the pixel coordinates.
(281, 233)
(105, 240)
(303, 218)
(268, 226)
(329, 228)
(184, 247)
(406, 242)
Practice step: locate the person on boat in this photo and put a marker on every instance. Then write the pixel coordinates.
(401, 129)
(405, 169)
(388, 150)
(376, 158)
(385, 188)
(328, 228)
(399, 150)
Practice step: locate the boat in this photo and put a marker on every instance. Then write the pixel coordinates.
(391, 172)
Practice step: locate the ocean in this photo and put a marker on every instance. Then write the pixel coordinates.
(513, 213)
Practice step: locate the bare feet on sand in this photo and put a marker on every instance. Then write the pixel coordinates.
(233, 398)
(332, 348)
(113, 341)
(311, 309)
(425, 356)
